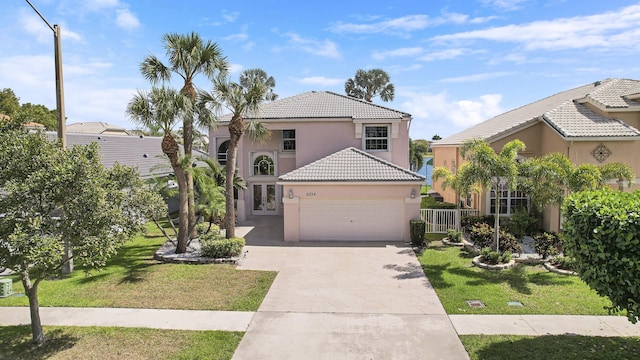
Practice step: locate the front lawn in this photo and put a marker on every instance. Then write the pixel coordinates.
(117, 343)
(456, 281)
(133, 279)
(565, 347)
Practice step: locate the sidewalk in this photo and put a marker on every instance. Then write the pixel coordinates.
(532, 325)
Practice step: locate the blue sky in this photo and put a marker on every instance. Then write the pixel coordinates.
(453, 63)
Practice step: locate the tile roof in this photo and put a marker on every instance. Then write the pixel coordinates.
(564, 113)
(96, 127)
(321, 104)
(350, 165)
(141, 152)
(574, 120)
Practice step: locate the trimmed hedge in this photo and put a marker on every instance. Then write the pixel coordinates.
(218, 247)
(417, 228)
(602, 234)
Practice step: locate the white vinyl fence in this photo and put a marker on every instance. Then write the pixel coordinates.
(441, 220)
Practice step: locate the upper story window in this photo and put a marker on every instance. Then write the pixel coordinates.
(263, 165)
(376, 137)
(222, 152)
(288, 140)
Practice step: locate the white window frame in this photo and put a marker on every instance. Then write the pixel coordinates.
(255, 157)
(284, 140)
(387, 138)
(513, 200)
(220, 155)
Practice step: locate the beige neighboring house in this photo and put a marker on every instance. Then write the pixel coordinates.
(334, 168)
(96, 127)
(595, 124)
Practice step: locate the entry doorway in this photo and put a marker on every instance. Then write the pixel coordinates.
(264, 199)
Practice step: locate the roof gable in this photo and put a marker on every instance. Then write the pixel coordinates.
(351, 165)
(321, 105)
(564, 112)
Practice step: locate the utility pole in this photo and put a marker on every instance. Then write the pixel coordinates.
(57, 47)
(67, 256)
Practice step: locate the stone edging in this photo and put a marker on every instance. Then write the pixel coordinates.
(166, 254)
(451, 243)
(550, 267)
(476, 261)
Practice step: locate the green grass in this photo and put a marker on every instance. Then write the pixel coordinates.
(117, 343)
(133, 279)
(509, 347)
(456, 280)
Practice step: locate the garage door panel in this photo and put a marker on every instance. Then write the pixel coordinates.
(351, 219)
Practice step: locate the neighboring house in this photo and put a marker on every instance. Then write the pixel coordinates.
(96, 127)
(596, 124)
(141, 152)
(334, 168)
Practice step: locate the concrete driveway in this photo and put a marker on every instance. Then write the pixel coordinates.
(340, 300)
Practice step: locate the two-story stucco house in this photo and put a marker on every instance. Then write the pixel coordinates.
(334, 168)
(596, 123)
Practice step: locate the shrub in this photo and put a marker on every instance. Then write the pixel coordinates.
(548, 244)
(428, 202)
(521, 223)
(454, 235)
(564, 262)
(417, 228)
(602, 233)
(483, 235)
(218, 247)
(494, 257)
(469, 221)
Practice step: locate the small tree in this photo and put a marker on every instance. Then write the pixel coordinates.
(51, 195)
(490, 170)
(602, 233)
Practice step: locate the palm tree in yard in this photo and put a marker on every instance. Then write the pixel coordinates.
(239, 100)
(161, 108)
(188, 56)
(367, 84)
(490, 170)
(250, 76)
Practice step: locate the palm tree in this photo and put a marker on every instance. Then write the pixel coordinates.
(162, 107)
(250, 76)
(417, 151)
(188, 57)
(458, 182)
(369, 83)
(240, 100)
(490, 169)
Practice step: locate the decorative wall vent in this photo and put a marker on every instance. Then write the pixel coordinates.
(601, 152)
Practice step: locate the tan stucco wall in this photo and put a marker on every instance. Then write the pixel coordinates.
(342, 191)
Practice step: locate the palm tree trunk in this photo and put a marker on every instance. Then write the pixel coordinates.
(187, 137)
(230, 210)
(170, 148)
(497, 218)
(34, 309)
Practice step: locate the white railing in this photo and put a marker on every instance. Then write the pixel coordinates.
(441, 220)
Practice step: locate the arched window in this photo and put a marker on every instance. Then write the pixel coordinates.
(222, 152)
(263, 165)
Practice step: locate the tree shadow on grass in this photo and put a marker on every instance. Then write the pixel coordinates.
(16, 343)
(565, 347)
(136, 260)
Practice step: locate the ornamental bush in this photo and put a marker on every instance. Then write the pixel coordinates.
(602, 234)
(467, 222)
(548, 244)
(417, 229)
(217, 247)
(483, 235)
(454, 235)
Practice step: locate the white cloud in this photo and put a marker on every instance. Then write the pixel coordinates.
(401, 52)
(405, 24)
(321, 80)
(444, 54)
(235, 68)
(601, 31)
(508, 5)
(439, 109)
(236, 37)
(231, 17)
(125, 19)
(476, 77)
(324, 48)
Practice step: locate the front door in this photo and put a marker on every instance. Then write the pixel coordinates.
(264, 199)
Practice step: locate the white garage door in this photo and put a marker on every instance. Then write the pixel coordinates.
(351, 219)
